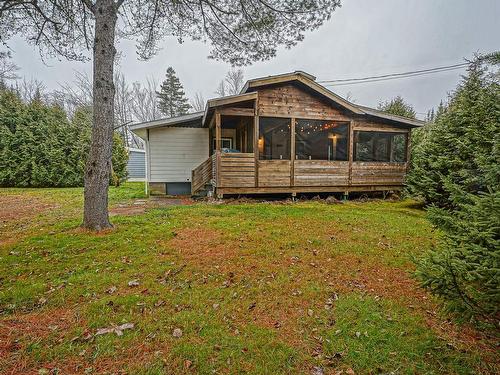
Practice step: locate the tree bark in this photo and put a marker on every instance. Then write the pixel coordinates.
(98, 168)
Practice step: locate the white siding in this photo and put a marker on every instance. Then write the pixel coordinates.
(175, 152)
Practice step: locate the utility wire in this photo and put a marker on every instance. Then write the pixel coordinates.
(388, 77)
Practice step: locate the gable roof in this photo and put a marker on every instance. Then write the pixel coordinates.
(306, 79)
(310, 81)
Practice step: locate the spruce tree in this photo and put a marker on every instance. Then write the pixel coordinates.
(397, 106)
(456, 170)
(171, 97)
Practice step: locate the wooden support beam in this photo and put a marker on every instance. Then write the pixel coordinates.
(408, 151)
(351, 149)
(218, 131)
(256, 140)
(292, 151)
(237, 112)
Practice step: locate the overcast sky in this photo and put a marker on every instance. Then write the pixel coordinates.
(363, 38)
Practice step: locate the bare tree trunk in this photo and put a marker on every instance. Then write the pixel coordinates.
(98, 168)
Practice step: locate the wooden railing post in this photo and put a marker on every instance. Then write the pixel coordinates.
(256, 140)
(351, 151)
(292, 151)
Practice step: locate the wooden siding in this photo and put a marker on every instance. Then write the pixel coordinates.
(274, 173)
(374, 173)
(236, 170)
(321, 173)
(291, 101)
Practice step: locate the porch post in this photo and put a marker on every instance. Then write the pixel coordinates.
(351, 151)
(256, 140)
(217, 131)
(292, 151)
(217, 149)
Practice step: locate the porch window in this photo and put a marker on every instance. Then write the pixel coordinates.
(380, 146)
(274, 138)
(321, 140)
(225, 143)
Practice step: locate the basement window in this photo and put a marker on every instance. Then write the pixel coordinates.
(321, 140)
(380, 146)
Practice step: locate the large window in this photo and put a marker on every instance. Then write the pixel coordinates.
(321, 140)
(380, 146)
(274, 138)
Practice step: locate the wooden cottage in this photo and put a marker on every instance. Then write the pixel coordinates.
(282, 134)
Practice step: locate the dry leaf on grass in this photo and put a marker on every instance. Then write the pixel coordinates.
(116, 329)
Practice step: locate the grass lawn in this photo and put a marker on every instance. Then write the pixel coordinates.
(262, 288)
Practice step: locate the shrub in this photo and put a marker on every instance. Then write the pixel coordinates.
(465, 268)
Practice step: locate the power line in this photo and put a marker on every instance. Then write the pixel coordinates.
(388, 77)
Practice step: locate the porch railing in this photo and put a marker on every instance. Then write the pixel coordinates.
(201, 175)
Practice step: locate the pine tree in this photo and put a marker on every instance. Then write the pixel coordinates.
(171, 97)
(456, 170)
(397, 106)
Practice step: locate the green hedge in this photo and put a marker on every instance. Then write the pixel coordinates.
(41, 147)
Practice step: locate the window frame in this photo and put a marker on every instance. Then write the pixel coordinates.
(214, 142)
(348, 137)
(289, 139)
(391, 133)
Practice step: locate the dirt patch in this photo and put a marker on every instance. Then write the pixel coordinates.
(20, 330)
(16, 207)
(139, 206)
(204, 247)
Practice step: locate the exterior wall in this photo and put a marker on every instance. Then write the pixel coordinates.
(291, 101)
(175, 152)
(295, 176)
(136, 165)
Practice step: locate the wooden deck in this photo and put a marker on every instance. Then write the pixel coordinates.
(238, 173)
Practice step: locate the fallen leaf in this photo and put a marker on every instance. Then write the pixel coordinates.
(177, 333)
(116, 329)
(159, 303)
(133, 283)
(111, 290)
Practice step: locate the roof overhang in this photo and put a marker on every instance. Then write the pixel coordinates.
(225, 101)
(387, 116)
(191, 120)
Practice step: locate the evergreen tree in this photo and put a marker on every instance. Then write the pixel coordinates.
(397, 106)
(461, 153)
(172, 100)
(40, 147)
(456, 170)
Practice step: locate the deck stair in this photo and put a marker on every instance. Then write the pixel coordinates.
(202, 178)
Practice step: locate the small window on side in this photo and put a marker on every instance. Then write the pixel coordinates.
(372, 146)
